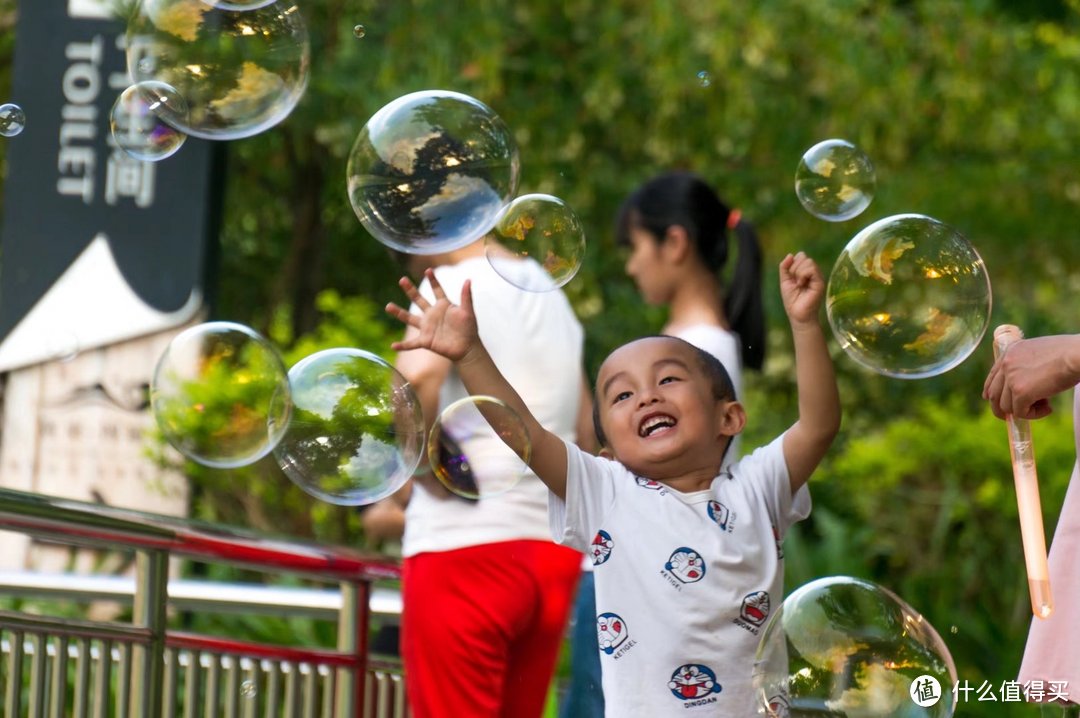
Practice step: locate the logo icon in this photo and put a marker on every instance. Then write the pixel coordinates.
(925, 691)
(720, 514)
(648, 483)
(755, 608)
(601, 547)
(610, 632)
(693, 681)
(686, 565)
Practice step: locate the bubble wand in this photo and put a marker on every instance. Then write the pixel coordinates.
(1022, 452)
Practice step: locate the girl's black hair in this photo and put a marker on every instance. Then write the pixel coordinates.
(685, 200)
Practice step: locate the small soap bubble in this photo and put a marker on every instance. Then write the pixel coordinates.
(248, 689)
(845, 647)
(835, 180)
(241, 67)
(704, 78)
(12, 119)
(357, 431)
(220, 394)
(430, 171)
(908, 297)
(359, 32)
(540, 228)
(136, 124)
(469, 447)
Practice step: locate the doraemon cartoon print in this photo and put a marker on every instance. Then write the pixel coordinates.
(686, 565)
(610, 632)
(600, 551)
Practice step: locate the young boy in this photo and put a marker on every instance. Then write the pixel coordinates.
(688, 560)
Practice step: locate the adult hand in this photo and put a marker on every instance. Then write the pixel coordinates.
(1031, 371)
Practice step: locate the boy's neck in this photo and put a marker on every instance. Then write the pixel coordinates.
(692, 481)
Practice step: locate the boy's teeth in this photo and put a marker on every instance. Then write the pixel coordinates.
(653, 423)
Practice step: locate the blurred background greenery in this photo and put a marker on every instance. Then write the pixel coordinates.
(970, 111)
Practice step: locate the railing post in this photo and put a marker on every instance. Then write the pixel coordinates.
(353, 640)
(151, 596)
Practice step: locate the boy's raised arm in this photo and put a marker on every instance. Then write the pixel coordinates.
(802, 288)
(450, 330)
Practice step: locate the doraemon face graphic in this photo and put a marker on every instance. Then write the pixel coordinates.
(719, 513)
(686, 565)
(600, 551)
(755, 608)
(693, 681)
(648, 483)
(610, 632)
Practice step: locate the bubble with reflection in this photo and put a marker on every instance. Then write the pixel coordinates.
(12, 119)
(430, 171)
(240, 67)
(704, 79)
(356, 432)
(478, 447)
(845, 647)
(835, 180)
(248, 689)
(136, 124)
(540, 228)
(908, 297)
(359, 31)
(220, 394)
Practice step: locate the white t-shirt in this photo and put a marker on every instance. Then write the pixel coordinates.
(723, 345)
(684, 582)
(537, 342)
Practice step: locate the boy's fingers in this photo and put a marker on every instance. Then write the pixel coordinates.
(402, 315)
(466, 296)
(413, 293)
(435, 286)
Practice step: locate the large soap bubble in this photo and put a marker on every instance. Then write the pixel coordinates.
(470, 447)
(848, 648)
(357, 431)
(239, 67)
(220, 394)
(430, 171)
(909, 297)
(541, 228)
(835, 180)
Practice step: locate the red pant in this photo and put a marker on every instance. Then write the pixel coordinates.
(482, 627)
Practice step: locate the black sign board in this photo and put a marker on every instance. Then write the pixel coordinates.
(68, 185)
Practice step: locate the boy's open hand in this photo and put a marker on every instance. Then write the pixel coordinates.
(443, 327)
(801, 287)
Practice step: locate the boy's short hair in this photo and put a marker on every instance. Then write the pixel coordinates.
(723, 389)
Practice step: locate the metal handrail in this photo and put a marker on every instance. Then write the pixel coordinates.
(149, 663)
(190, 595)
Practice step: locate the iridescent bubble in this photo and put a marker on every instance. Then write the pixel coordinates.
(359, 32)
(430, 171)
(704, 78)
(241, 67)
(540, 228)
(468, 447)
(835, 180)
(357, 431)
(909, 297)
(248, 689)
(220, 394)
(12, 119)
(845, 647)
(136, 124)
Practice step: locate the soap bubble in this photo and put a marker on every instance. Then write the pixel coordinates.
(248, 689)
(12, 120)
(468, 449)
(356, 432)
(844, 647)
(835, 181)
(542, 228)
(136, 124)
(430, 171)
(359, 32)
(909, 297)
(220, 394)
(704, 78)
(240, 67)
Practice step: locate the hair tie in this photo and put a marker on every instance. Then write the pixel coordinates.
(733, 218)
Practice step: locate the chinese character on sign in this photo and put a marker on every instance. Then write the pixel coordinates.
(926, 690)
(986, 692)
(1010, 692)
(1035, 690)
(961, 690)
(1058, 691)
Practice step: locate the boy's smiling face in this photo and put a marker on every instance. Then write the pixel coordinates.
(659, 413)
